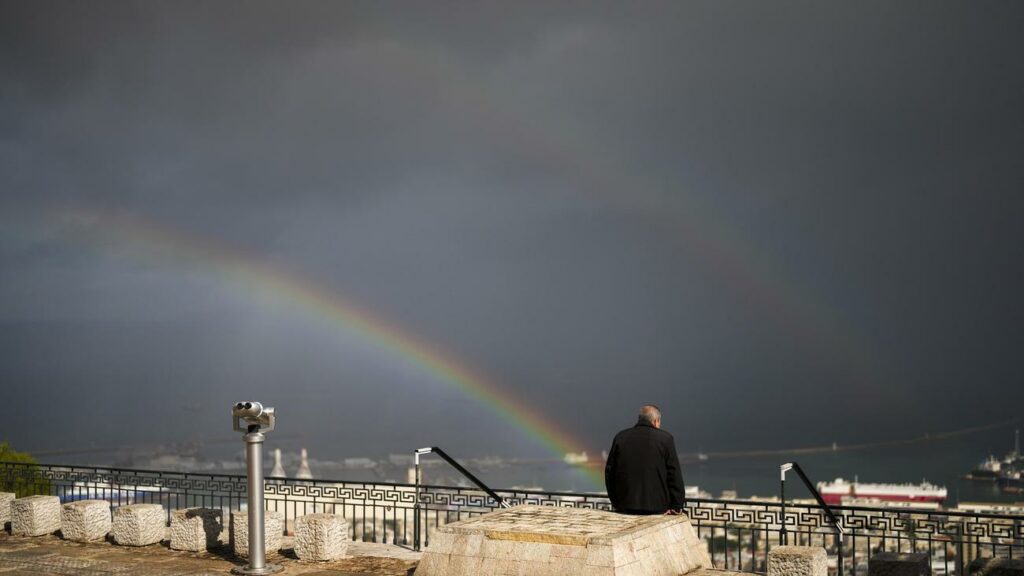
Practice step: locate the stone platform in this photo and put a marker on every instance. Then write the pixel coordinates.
(553, 541)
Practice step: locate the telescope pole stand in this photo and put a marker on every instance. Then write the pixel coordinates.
(257, 538)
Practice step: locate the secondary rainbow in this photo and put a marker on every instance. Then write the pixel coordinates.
(160, 240)
(590, 170)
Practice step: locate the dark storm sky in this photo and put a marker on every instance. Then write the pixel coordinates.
(786, 223)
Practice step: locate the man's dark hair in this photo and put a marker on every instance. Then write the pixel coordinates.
(650, 414)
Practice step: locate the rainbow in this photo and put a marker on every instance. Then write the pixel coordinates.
(589, 171)
(158, 239)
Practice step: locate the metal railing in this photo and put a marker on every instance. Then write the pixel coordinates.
(840, 563)
(738, 533)
(417, 518)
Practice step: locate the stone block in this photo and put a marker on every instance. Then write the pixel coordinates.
(85, 520)
(35, 515)
(196, 529)
(273, 526)
(139, 524)
(996, 567)
(5, 508)
(557, 541)
(797, 561)
(320, 537)
(896, 564)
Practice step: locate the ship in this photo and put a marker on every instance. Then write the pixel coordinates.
(1006, 472)
(1012, 482)
(839, 490)
(575, 458)
(987, 470)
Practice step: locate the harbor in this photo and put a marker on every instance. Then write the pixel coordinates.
(928, 475)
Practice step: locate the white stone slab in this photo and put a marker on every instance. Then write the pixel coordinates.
(550, 541)
(85, 520)
(321, 537)
(35, 515)
(797, 561)
(273, 527)
(196, 529)
(139, 524)
(5, 507)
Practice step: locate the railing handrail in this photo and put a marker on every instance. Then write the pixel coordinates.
(462, 470)
(472, 478)
(814, 492)
(821, 502)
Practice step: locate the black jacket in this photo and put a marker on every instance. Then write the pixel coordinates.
(642, 473)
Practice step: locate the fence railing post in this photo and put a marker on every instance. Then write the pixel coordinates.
(960, 548)
(783, 537)
(416, 520)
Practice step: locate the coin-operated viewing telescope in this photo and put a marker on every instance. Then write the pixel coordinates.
(254, 414)
(253, 419)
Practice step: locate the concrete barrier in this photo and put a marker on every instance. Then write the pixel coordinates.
(5, 508)
(273, 525)
(797, 561)
(196, 529)
(35, 515)
(139, 524)
(320, 537)
(85, 520)
(996, 567)
(896, 564)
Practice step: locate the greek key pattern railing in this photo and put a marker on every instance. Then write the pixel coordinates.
(739, 534)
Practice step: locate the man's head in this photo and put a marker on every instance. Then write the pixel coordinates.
(650, 414)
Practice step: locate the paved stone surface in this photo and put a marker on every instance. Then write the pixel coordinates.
(49, 555)
(797, 561)
(553, 541)
(139, 524)
(85, 520)
(35, 515)
(196, 529)
(320, 537)
(716, 572)
(549, 524)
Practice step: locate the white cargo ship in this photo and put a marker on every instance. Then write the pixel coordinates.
(839, 490)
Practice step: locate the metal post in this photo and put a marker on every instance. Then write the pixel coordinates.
(783, 537)
(839, 537)
(257, 539)
(960, 549)
(416, 507)
(256, 418)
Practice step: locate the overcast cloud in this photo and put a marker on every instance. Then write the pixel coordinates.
(781, 221)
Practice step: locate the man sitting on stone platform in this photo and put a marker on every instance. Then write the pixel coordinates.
(642, 473)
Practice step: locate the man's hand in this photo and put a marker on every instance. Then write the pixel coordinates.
(673, 512)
